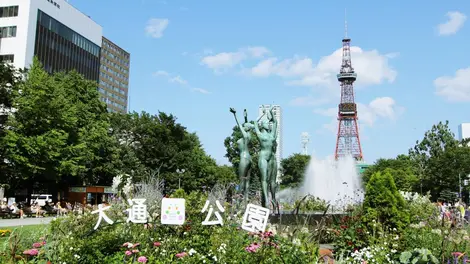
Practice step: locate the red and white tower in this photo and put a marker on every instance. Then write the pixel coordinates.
(347, 142)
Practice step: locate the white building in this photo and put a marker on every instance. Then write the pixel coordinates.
(464, 131)
(278, 115)
(60, 35)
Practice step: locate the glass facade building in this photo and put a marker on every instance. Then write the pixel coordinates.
(114, 76)
(59, 48)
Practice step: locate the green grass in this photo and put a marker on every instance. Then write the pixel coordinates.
(25, 230)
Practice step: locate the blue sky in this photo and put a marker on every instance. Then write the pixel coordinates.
(196, 59)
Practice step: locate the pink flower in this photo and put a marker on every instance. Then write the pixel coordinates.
(181, 255)
(252, 248)
(125, 244)
(135, 245)
(157, 244)
(135, 251)
(142, 259)
(37, 245)
(128, 253)
(31, 252)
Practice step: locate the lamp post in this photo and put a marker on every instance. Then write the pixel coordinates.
(180, 171)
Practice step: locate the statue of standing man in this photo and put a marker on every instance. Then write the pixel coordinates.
(267, 159)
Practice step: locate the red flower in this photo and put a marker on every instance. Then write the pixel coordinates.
(157, 244)
(343, 227)
(350, 243)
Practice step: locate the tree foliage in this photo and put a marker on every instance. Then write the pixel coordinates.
(233, 154)
(10, 78)
(60, 129)
(440, 159)
(402, 170)
(383, 202)
(293, 170)
(158, 143)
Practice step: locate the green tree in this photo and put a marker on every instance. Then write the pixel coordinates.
(10, 79)
(293, 170)
(383, 202)
(402, 169)
(59, 133)
(233, 155)
(225, 174)
(159, 143)
(437, 159)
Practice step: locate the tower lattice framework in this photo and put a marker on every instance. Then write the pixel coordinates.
(347, 142)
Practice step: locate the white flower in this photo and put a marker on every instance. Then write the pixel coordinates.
(192, 251)
(214, 258)
(76, 256)
(296, 242)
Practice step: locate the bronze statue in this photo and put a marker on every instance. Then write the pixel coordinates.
(267, 160)
(244, 168)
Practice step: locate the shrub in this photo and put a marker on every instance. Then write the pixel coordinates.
(384, 203)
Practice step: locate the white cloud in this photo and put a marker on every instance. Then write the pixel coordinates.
(160, 73)
(178, 79)
(226, 60)
(379, 108)
(371, 67)
(156, 26)
(454, 88)
(200, 90)
(453, 24)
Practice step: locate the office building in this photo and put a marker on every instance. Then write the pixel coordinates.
(61, 36)
(114, 76)
(63, 39)
(464, 131)
(278, 115)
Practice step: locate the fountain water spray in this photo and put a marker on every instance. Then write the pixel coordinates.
(335, 181)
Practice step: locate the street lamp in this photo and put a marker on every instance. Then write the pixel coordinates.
(180, 171)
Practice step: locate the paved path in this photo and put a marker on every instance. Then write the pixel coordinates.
(25, 221)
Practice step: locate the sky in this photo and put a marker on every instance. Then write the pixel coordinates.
(196, 59)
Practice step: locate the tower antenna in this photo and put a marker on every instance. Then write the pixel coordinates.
(345, 25)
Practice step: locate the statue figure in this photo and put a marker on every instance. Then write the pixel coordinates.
(244, 168)
(267, 160)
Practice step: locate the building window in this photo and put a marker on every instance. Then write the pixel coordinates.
(9, 11)
(61, 49)
(8, 32)
(10, 58)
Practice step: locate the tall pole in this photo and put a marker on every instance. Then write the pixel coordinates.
(179, 176)
(460, 188)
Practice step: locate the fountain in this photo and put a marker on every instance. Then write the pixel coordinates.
(336, 182)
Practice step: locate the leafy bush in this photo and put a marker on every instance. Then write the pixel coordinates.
(350, 233)
(384, 203)
(418, 256)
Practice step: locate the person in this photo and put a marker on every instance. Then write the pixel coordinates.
(462, 210)
(267, 138)
(15, 210)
